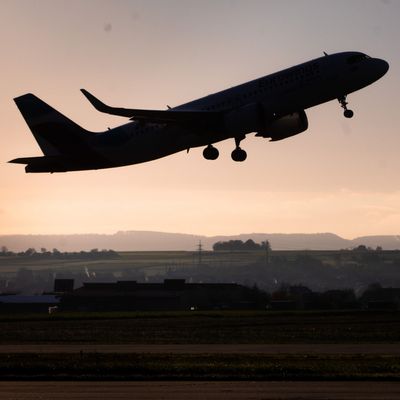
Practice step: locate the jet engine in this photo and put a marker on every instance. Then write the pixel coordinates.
(254, 118)
(284, 127)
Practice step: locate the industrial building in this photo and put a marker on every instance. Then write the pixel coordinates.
(172, 294)
(10, 304)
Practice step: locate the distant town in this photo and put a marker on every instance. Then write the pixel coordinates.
(234, 275)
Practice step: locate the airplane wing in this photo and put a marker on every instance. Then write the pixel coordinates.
(155, 116)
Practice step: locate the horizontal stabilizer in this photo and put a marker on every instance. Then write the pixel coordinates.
(62, 163)
(43, 164)
(155, 116)
(26, 160)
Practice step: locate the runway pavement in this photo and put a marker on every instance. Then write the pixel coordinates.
(392, 349)
(200, 390)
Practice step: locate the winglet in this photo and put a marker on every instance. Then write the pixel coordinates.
(100, 106)
(95, 102)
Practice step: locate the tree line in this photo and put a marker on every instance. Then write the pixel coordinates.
(239, 245)
(55, 253)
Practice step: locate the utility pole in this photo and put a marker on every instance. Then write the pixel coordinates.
(200, 251)
(267, 252)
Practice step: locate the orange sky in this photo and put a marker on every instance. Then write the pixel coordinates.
(340, 176)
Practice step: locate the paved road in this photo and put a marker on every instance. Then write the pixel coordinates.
(393, 349)
(200, 390)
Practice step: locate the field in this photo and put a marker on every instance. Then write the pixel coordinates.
(212, 331)
(155, 261)
(221, 327)
(143, 366)
(152, 261)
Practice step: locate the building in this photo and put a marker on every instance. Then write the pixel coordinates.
(377, 297)
(63, 285)
(10, 304)
(172, 294)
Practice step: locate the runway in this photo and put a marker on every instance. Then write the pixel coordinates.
(273, 349)
(200, 390)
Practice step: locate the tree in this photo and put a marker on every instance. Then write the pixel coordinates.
(237, 245)
(266, 245)
(30, 252)
(250, 245)
(361, 248)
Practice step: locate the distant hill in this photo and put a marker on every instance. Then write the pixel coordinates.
(163, 241)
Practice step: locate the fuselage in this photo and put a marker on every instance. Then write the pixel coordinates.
(284, 92)
(272, 106)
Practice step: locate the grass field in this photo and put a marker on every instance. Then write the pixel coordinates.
(219, 327)
(228, 327)
(203, 367)
(155, 260)
(173, 259)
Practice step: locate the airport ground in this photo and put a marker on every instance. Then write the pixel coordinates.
(195, 390)
(204, 355)
(201, 362)
(202, 327)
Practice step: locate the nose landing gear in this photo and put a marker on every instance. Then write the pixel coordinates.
(343, 103)
(210, 153)
(238, 154)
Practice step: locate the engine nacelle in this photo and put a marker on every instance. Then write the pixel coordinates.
(253, 117)
(284, 127)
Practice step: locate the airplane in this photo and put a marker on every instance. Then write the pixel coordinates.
(272, 106)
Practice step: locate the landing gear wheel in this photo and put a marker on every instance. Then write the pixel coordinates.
(348, 113)
(238, 155)
(210, 153)
(343, 103)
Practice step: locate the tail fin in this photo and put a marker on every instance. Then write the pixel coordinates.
(55, 133)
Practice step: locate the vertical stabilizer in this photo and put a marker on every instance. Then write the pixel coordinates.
(55, 133)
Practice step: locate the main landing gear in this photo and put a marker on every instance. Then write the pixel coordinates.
(347, 113)
(210, 153)
(238, 154)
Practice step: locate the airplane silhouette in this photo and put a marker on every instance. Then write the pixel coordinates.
(272, 106)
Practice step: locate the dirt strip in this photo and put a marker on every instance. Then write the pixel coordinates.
(392, 349)
(200, 390)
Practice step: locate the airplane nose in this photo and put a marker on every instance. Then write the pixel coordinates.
(382, 66)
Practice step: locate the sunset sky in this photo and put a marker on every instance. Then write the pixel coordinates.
(340, 176)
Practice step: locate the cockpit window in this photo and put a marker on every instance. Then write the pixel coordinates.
(356, 58)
